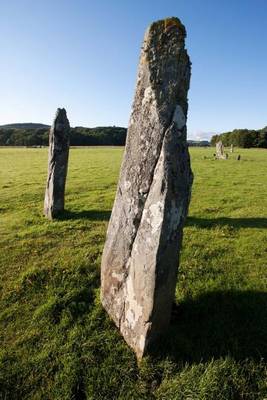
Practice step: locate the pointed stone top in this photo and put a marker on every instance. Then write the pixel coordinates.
(164, 68)
(168, 24)
(160, 34)
(61, 122)
(61, 113)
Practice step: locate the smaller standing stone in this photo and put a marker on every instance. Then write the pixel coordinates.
(59, 138)
(231, 148)
(220, 151)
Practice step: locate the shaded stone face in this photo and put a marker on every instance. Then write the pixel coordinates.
(141, 253)
(57, 164)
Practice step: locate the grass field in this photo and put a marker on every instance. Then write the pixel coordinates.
(58, 343)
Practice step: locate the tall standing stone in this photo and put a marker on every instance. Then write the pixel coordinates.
(141, 253)
(59, 137)
(220, 150)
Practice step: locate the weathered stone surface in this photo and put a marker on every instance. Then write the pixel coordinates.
(57, 165)
(220, 150)
(141, 253)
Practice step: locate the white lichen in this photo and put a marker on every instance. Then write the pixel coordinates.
(156, 216)
(149, 99)
(118, 277)
(127, 185)
(134, 311)
(179, 117)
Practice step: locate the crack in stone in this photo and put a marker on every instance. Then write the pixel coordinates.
(153, 175)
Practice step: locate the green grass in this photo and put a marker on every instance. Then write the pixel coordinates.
(58, 343)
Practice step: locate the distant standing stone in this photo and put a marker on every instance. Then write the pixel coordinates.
(231, 148)
(59, 137)
(220, 150)
(141, 253)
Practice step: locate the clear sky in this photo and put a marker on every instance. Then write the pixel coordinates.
(83, 55)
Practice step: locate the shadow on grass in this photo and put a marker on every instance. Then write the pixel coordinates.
(217, 324)
(104, 215)
(225, 221)
(93, 215)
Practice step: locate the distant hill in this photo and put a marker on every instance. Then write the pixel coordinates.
(198, 143)
(25, 125)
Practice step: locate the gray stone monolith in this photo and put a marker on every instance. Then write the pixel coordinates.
(220, 150)
(144, 237)
(59, 137)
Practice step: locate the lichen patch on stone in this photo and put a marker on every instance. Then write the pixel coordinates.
(156, 214)
(179, 117)
(133, 309)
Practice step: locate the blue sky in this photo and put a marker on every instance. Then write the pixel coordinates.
(83, 55)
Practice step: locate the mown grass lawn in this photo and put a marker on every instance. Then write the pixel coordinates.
(58, 343)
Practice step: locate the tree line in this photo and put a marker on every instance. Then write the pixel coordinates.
(116, 136)
(245, 138)
(79, 136)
